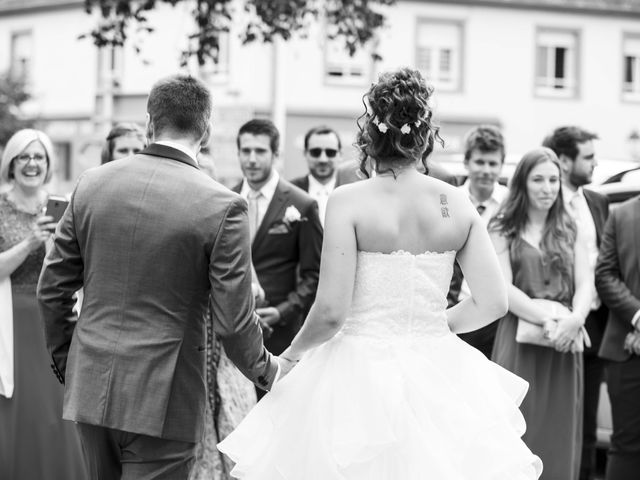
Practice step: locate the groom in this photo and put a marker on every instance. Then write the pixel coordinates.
(149, 237)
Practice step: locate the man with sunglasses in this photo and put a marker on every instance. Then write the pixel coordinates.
(323, 152)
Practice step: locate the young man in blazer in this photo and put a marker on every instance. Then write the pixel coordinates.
(575, 150)
(618, 283)
(153, 241)
(286, 235)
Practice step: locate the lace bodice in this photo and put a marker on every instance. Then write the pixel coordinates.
(15, 225)
(400, 294)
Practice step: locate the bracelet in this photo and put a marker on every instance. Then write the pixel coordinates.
(289, 359)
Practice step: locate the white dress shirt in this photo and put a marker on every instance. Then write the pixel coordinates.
(490, 208)
(179, 146)
(320, 193)
(576, 205)
(267, 191)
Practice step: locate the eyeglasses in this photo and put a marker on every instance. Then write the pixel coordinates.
(329, 152)
(25, 158)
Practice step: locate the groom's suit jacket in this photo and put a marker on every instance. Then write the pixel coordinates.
(286, 257)
(149, 238)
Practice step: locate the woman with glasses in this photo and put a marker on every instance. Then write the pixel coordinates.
(34, 440)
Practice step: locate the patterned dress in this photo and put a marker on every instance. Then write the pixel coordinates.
(230, 397)
(35, 443)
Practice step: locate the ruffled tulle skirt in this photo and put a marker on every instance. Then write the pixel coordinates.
(359, 408)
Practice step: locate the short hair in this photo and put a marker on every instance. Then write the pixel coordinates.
(321, 130)
(565, 140)
(181, 104)
(18, 142)
(261, 126)
(119, 130)
(486, 138)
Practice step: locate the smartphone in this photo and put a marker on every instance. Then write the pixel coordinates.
(56, 207)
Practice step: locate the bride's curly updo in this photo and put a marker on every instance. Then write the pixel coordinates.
(396, 128)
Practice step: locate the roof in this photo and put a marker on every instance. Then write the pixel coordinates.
(17, 6)
(599, 7)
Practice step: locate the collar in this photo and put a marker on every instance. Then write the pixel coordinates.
(568, 195)
(267, 190)
(314, 184)
(179, 146)
(497, 196)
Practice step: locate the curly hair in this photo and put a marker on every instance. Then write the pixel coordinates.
(399, 99)
(559, 234)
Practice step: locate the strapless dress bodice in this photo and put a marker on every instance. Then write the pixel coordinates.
(400, 294)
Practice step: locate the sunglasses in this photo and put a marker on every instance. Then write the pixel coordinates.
(329, 152)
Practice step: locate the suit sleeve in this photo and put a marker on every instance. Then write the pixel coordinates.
(611, 288)
(232, 304)
(61, 276)
(309, 249)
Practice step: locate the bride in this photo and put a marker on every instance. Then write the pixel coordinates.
(382, 387)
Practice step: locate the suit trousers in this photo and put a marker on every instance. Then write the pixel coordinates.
(623, 382)
(593, 377)
(113, 454)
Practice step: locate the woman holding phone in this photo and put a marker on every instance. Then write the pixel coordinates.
(34, 440)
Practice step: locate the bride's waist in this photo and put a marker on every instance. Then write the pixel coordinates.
(390, 328)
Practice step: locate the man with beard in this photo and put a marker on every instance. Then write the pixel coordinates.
(483, 158)
(323, 152)
(286, 235)
(574, 147)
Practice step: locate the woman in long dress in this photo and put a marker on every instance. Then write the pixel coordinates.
(35, 443)
(382, 388)
(542, 259)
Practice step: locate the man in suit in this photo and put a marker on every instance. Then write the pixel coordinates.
(322, 151)
(574, 148)
(152, 240)
(286, 235)
(484, 154)
(618, 283)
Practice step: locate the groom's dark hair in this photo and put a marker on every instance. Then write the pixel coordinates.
(180, 104)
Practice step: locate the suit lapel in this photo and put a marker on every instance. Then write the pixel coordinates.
(274, 211)
(597, 209)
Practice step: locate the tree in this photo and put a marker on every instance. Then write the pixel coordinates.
(354, 21)
(12, 94)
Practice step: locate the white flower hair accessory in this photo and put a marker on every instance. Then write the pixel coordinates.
(405, 129)
(291, 215)
(381, 125)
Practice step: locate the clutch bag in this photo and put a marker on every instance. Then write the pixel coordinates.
(533, 333)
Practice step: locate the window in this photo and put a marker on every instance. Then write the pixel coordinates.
(22, 56)
(556, 63)
(341, 68)
(439, 53)
(218, 72)
(631, 67)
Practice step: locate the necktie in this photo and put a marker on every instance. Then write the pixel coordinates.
(254, 220)
(481, 208)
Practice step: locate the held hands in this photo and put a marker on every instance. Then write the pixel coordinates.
(268, 316)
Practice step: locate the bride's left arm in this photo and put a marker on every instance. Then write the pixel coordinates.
(337, 275)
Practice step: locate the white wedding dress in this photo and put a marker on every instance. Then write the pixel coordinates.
(395, 395)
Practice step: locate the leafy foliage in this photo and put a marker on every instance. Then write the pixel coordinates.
(12, 94)
(354, 21)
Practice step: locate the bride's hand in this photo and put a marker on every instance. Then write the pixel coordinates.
(287, 361)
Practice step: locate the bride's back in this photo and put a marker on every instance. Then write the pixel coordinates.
(411, 213)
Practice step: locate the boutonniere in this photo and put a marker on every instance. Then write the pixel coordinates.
(292, 215)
